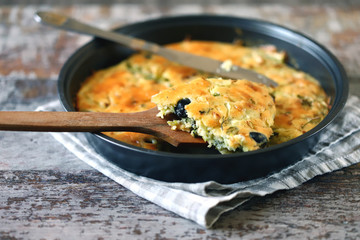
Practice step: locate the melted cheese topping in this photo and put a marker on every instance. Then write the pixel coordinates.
(300, 101)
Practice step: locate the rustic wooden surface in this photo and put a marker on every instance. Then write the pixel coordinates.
(47, 193)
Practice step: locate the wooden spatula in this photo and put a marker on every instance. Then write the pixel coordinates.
(143, 122)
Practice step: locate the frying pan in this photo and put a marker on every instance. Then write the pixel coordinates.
(188, 163)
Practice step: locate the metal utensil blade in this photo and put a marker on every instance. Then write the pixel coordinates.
(201, 63)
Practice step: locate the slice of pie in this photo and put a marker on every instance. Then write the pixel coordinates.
(231, 115)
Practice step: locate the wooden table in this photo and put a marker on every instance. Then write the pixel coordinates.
(47, 193)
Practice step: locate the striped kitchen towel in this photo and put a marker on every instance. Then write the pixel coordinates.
(203, 203)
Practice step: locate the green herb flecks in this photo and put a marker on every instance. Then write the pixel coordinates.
(305, 101)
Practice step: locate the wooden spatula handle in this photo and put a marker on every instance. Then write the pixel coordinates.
(76, 121)
(143, 122)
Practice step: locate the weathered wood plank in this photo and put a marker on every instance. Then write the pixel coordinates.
(86, 204)
(46, 196)
(41, 51)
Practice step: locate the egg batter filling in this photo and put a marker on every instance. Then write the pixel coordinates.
(231, 115)
(300, 101)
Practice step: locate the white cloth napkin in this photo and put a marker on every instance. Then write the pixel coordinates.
(203, 203)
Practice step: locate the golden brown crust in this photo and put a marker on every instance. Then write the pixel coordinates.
(127, 87)
(223, 112)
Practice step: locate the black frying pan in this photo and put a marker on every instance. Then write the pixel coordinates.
(190, 164)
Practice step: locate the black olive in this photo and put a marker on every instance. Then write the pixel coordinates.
(180, 107)
(259, 138)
